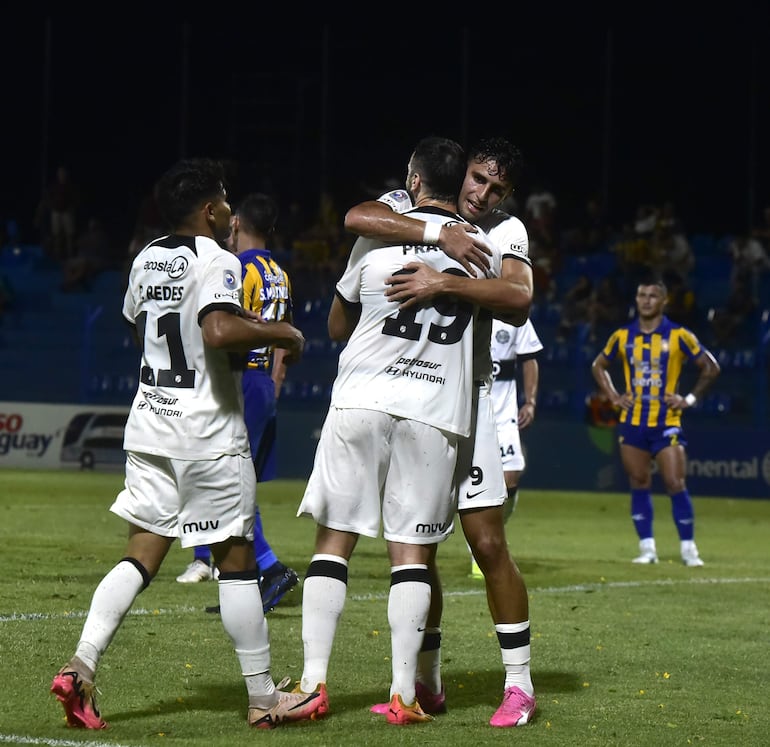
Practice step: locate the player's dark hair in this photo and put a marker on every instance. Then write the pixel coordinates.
(440, 162)
(186, 186)
(652, 277)
(504, 153)
(257, 213)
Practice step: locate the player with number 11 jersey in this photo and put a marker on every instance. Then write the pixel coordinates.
(189, 403)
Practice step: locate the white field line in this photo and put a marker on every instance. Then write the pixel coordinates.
(140, 611)
(20, 739)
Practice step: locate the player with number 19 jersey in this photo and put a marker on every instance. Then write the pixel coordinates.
(189, 402)
(411, 363)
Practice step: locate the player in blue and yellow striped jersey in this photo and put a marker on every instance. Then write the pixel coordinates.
(653, 351)
(266, 291)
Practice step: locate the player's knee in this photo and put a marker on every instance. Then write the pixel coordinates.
(146, 575)
(488, 548)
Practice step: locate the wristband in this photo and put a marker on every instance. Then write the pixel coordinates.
(431, 233)
(691, 399)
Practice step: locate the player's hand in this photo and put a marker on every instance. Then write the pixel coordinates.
(624, 401)
(291, 340)
(526, 414)
(462, 243)
(676, 401)
(253, 316)
(415, 283)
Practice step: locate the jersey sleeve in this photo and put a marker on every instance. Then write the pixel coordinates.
(398, 200)
(220, 285)
(511, 236)
(349, 285)
(612, 348)
(252, 283)
(689, 343)
(526, 341)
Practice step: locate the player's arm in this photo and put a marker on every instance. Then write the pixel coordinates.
(373, 219)
(227, 330)
(278, 369)
(601, 373)
(530, 375)
(342, 319)
(508, 297)
(709, 369)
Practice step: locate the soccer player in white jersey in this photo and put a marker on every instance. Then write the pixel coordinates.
(189, 474)
(493, 165)
(514, 352)
(404, 379)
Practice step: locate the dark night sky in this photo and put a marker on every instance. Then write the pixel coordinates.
(673, 109)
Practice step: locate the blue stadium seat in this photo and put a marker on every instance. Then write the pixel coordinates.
(555, 399)
(703, 245)
(746, 358)
(718, 404)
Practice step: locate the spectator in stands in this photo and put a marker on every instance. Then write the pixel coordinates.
(93, 253)
(632, 249)
(576, 304)
(681, 306)
(730, 322)
(149, 225)
(591, 233)
(672, 251)
(749, 262)
(669, 219)
(62, 200)
(607, 306)
(762, 231)
(645, 220)
(540, 216)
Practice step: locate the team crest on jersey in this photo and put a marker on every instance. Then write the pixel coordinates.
(664, 346)
(502, 336)
(229, 280)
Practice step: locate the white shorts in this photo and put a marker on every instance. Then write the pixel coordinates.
(200, 502)
(510, 446)
(372, 468)
(480, 477)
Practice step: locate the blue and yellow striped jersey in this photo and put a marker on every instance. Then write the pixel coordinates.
(267, 291)
(652, 365)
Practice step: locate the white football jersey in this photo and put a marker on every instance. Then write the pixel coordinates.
(508, 234)
(188, 403)
(415, 363)
(509, 237)
(509, 342)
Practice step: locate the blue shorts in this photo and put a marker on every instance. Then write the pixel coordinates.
(259, 412)
(650, 439)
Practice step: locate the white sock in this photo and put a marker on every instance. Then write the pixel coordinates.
(408, 605)
(429, 664)
(516, 660)
(323, 599)
(111, 600)
(244, 621)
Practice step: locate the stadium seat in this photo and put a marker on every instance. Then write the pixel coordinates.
(703, 245)
(555, 399)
